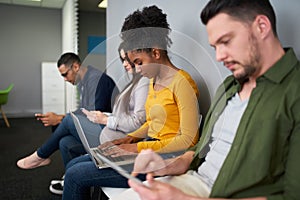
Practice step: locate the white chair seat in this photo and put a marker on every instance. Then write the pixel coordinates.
(110, 192)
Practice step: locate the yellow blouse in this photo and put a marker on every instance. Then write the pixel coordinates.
(172, 116)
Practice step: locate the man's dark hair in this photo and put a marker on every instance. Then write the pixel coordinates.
(145, 29)
(68, 59)
(242, 10)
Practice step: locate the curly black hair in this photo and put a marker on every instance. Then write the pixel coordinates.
(145, 29)
(151, 16)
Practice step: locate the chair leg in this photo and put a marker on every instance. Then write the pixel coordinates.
(5, 118)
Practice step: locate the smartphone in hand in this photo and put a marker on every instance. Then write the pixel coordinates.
(39, 116)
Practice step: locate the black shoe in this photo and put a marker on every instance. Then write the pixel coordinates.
(57, 188)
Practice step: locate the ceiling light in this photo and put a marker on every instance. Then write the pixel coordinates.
(103, 4)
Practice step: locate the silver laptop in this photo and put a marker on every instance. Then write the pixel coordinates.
(86, 128)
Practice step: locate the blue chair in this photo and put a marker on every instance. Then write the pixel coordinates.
(3, 101)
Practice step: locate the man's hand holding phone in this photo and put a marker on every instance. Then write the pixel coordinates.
(49, 118)
(39, 116)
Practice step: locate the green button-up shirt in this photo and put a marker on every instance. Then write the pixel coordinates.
(263, 159)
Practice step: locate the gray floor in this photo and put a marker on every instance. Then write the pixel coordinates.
(24, 136)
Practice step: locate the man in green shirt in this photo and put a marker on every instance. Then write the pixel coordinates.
(250, 142)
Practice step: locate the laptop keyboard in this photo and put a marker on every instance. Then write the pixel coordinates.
(114, 159)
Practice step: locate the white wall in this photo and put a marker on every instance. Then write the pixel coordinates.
(190, 49)
(28, 36)
(288, 23)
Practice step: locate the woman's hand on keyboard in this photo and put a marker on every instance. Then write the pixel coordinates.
(123, 149)
(118, 149)
(125, 140)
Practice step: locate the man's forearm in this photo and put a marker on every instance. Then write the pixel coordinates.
(179, 165)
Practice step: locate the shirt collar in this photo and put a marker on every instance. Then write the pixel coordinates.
(282, 67)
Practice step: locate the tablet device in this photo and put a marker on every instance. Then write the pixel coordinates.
(119, 169)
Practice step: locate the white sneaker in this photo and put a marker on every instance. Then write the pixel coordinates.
(56, 181)
(57, 188)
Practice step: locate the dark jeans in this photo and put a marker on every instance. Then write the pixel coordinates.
(82, 174)
(65, 137)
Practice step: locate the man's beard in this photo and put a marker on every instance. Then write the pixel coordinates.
(253, 64)
(244, 77)
(77, 79)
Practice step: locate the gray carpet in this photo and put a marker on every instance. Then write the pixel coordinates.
(23, 138)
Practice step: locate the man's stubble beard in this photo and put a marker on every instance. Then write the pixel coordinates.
(253, 65)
